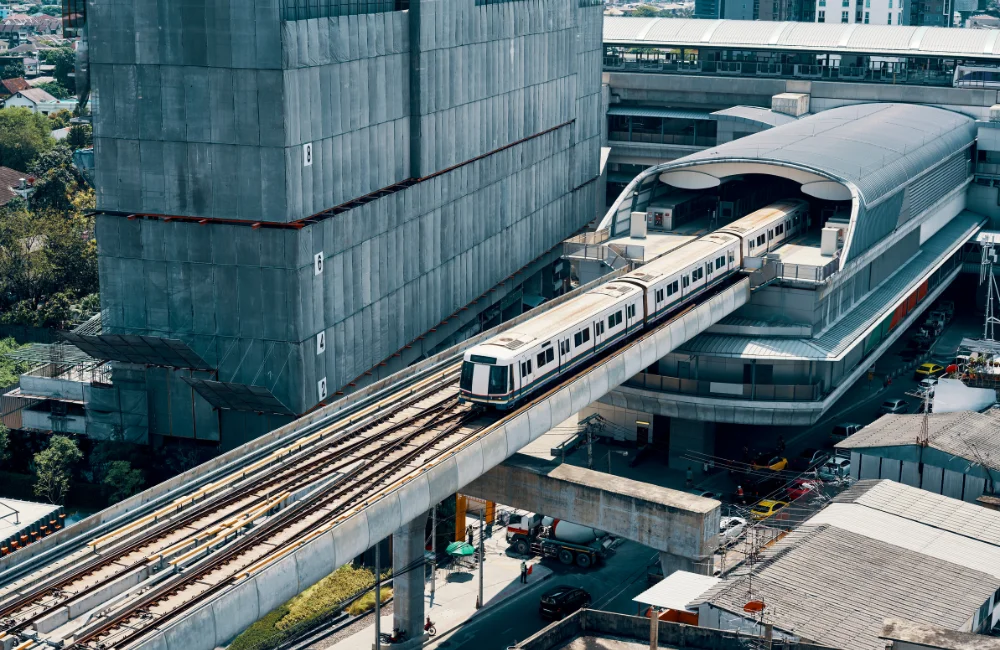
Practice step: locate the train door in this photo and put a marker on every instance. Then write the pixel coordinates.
(564, 353)
(480, 379)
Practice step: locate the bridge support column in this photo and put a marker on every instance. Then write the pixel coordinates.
(408, 580)
(670, 563)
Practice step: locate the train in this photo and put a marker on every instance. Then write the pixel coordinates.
(508, 368)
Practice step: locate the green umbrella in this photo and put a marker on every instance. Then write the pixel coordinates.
(462, 549)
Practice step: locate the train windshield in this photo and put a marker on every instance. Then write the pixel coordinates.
(498, 380)
(465, 383)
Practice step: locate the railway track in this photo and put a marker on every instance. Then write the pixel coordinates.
(158, 566)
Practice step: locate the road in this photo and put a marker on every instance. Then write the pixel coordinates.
(611, 585)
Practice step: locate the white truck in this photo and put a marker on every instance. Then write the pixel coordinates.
(535, 534)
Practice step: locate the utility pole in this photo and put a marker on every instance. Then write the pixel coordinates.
(482, 559)
(609, 462)
(654, 628)
(590, 448)
(433, 550)
(378, 599)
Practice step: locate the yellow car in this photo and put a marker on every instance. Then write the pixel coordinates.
(927, 370)
(766, 508)
(774, 463)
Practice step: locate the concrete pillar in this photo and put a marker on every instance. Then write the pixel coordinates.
(670, 563)
(408, 578)
(687, 436)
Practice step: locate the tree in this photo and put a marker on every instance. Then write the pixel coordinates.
(4, 444)
(57, 180)
(52, 11)
(64, 60)
(53, 468)
(13, 70)
(80, 136)
(23, 136)
(55, 89)
(122, 479)
(646, 11)
(993, 8)
(10, 370)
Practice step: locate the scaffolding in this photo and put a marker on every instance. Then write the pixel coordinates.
(63, 360)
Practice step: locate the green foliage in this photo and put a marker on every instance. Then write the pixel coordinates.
(80, 136)
(64, 60)
(10, 370)
(53, 468)
(122, 479)
(55, 89)
(993, 8)
(33, 9)
(4, 444)
(311, 607)
(646, 11)
(23, 136)
(367, 602)
(51, 11)
(59, 119)
(13, 70)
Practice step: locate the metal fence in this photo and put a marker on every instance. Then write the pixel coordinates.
(809, 272)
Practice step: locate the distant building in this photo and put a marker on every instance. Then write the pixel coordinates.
(10, 86)
(880, 550)
(958, 459)
(39, 101)
(13, 183)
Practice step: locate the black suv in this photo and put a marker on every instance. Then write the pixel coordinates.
(561, 601)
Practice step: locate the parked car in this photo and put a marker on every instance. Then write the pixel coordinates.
(561, 601)
(766, 508)
(775, 463)
(927, 370)
(800, 487)
(894, 406)
(730, 528)
(808, 458)
(844, 430)
(934, 327)
(836, 468)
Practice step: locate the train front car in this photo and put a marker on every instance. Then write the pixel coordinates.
(766, 229)
(508, 368)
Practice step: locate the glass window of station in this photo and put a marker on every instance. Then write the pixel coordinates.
(864, 68)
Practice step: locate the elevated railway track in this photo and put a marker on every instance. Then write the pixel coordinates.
(121, 584)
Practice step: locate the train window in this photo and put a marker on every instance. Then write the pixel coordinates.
(465, 383)
(618, 317)
(598, 328)
(525, 365)
(685, 280)
(578, 339)
(697, 274)
(549, 354)
(540, 359)
(476, 358)
(760, 240)
(586, 335)
(659, 295)
(732, 256)
(779, 229)
(498, 380)
(611, 321)
(720, 262)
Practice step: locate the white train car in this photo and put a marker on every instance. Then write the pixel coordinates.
(668, 280)
(764, 230)
(504, 369)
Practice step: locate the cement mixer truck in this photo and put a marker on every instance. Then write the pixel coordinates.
(535, 534)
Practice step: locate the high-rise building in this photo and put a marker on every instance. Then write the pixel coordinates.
(291, 192)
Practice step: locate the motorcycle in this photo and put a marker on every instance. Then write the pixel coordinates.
(429, 627)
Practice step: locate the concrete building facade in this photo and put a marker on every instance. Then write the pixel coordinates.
(292, 195)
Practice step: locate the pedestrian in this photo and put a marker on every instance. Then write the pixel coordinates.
(740, 496)
(690, 477)
(489, 530)
(524, 572)
(468, 531)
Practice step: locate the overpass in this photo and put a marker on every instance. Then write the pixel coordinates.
(192, 562)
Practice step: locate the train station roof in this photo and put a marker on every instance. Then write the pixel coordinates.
(792, 36)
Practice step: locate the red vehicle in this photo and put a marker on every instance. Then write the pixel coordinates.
(800, 487)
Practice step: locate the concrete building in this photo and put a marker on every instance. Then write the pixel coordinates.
(959, 459)
(290, 196)
(898, 552)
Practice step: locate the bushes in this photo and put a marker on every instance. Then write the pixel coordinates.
(367, 602)
(311, 607)
(262, 633)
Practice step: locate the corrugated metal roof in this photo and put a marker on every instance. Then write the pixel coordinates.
(838, 339)
(825, 37)
(965, 434)
(653, 111)
(834, 586)
(677, 590)
(905, 553)
(754, 115)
